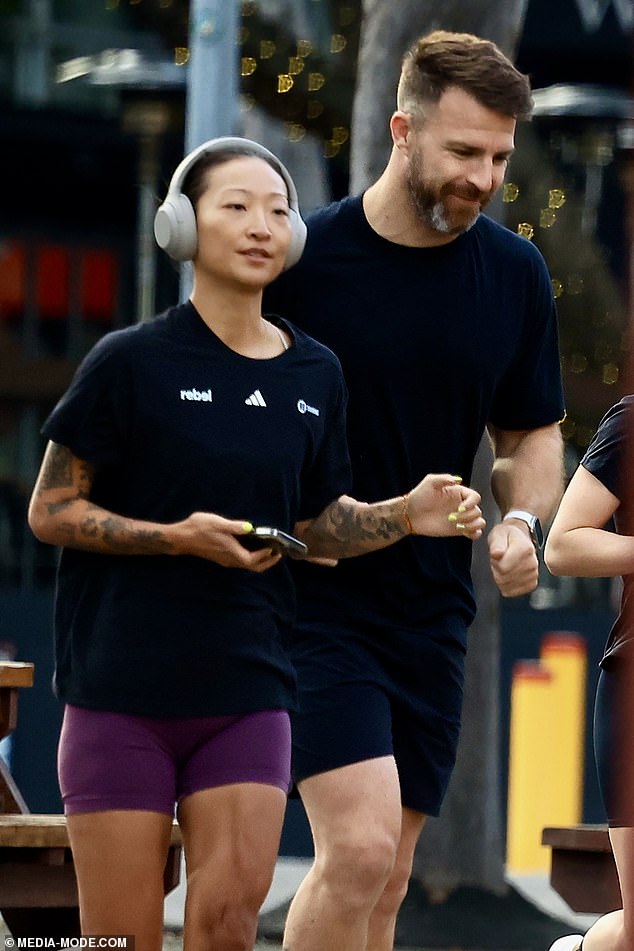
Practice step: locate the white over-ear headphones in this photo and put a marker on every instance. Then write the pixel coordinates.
(175, 221)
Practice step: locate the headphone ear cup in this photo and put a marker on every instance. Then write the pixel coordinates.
(298, 238)
(175, 227)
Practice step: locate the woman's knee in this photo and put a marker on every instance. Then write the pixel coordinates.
(227, 922)
(225, 918)
(233, 929)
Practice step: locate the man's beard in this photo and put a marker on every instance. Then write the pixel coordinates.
(429, 205)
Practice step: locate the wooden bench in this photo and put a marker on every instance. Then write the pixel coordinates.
(38, 888)
(13, 675)
(582, 867)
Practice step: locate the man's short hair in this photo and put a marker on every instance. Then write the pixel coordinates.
(442, 59)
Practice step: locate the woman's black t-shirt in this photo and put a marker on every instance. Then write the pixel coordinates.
(176, 422)
(604, 459)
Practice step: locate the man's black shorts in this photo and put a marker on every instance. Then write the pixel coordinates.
(366, 694)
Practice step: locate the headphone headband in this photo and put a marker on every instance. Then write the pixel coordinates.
(175, 221)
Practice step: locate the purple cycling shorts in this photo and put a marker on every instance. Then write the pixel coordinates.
(116, 761)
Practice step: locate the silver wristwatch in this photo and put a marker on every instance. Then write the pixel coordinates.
(534, 525)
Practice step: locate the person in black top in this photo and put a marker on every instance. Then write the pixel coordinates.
(174, 439)
(445, 325)
(592, 537)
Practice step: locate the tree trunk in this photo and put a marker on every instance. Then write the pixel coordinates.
(465, 845)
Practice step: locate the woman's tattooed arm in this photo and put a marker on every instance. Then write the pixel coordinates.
(439, 506)
(61, 512)
(347, 527)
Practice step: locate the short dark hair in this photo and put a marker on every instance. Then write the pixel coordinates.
(195, 182)
(442, 59)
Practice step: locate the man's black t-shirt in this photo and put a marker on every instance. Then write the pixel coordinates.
(434, 343)
(176, 422)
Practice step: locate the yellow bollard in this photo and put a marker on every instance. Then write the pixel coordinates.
(529, 768)
(564, 654)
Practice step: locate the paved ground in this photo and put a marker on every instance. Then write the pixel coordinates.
(173, 942)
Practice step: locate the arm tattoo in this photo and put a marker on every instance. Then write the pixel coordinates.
(119, 538)
(54, 508)
(57, 472)
(347, 528)
(94, 528)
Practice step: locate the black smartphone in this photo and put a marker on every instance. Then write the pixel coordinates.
(274, 538)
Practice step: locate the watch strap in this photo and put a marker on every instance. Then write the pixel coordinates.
(534, 526)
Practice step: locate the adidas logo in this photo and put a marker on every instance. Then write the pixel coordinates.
(256, 399)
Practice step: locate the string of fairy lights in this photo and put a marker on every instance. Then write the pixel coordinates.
(302, 83)
(288, 70)
(592, 307)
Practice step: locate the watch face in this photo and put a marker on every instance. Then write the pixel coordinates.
(534, 525)
(536, 531)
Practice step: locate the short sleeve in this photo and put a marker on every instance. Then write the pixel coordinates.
(328, 475)
(92, 417)
(530, 393)
(603, 457)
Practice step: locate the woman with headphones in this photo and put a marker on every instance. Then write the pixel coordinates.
(175, 438)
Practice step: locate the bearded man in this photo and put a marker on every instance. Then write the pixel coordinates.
(445, 324)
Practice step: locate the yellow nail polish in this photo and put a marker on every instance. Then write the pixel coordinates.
(459, 526)
(247, 527)
(457, 478)
(452, 518)
(462, 508)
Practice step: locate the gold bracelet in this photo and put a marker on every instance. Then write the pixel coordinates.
(408, 521)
